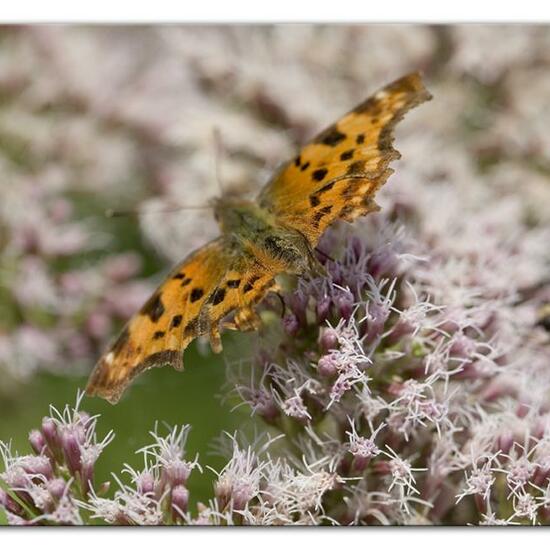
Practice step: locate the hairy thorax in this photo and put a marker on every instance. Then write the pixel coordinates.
(254, 230)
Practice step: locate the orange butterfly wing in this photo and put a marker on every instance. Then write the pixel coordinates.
(337, 174)
(206, 287)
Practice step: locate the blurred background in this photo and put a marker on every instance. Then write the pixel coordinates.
(98, 118)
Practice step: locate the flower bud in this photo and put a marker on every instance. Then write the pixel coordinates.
(328, 339)
(56, 487)
(88, 457)
(505, 442)
(377, 316)
(180, 501)
(401, 329)
(449, 321)
(103, 488)
(383, 262)
(71, 451)
(176, 472)
(37, 442)
(82, 425)
(37, 465)
(298, 305)
(145, 483)
(327, 366)
(322, 309)
(241, 496)
(9, 503)
(363, 450)
(291, 324)
(462, 347)
(542, 471)
(522, 409)
(344, 303)
(51, 435)
(265, 406)
(360, 463)
(222, 491)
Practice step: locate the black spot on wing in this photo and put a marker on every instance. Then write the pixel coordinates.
(185, 281)
(233, 283)
(176, 321)
(325, 188)
(218, 296)
(319, 175)
(314, 200)
(304, 167)
(158, 335)
(197, 294)
(371, 105)
(154, 308)
(318, 216)
(360, 139)
(347, 155)
(331, 136)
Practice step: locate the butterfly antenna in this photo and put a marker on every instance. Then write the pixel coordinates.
(110, 213)
(324, 255)
(218, 154)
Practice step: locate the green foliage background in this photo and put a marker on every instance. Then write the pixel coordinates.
(192, 397)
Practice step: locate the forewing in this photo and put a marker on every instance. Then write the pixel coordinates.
(337, 174)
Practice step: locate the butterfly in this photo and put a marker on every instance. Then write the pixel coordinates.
(334, 177)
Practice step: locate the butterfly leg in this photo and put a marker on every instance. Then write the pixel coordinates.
(246, 319)
(215, 339)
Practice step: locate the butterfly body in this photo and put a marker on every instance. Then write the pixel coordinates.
(252, 230)
(334, 177)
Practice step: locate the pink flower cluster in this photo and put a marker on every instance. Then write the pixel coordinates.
(418, 367)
